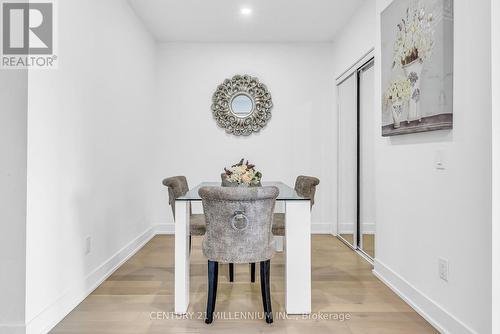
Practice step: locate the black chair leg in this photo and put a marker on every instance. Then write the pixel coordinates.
(190, 244)
(265, 270)
(213, 273)
(231, 272)
(252, 272)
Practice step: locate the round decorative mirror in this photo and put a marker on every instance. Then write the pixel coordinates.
(242, 105)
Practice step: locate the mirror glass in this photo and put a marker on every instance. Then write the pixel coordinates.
(242, 105)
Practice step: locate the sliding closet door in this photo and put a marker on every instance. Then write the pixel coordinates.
(366, 234)
(347, 160)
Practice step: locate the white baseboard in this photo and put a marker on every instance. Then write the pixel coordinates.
(164, 228)
(348, 228)
(316, 228)
(322, 228)
(368, 228)
(434, 313)
(12, 329)
(55, 312)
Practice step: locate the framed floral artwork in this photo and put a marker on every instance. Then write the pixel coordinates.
(417, 66)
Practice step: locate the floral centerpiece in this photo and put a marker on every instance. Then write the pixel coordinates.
(397, 94)
(241, 174)
(415, 37)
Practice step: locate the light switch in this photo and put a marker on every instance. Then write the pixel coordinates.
(439, 161)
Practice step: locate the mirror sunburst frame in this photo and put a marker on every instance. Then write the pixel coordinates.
(241, 122)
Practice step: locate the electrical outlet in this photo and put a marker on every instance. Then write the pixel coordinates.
(443, 268)
(88, 245)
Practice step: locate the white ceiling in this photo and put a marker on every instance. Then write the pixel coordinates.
(221, 20)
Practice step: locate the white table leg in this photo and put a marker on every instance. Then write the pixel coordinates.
(298, 257)
(278, 242)
(181, 256)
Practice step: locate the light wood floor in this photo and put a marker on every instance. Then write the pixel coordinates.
(368, 243)
(342, 284)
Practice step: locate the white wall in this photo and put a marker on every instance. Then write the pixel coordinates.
(442, 213)
(355, 39)
(300, 138)
(13, 113)
(495, 55)
(91, 149)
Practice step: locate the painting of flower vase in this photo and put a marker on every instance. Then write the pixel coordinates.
(417, 66)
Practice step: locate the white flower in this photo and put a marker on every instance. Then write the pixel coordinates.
(243, 174)
(399, 90)
(415, 38)
(246, 178)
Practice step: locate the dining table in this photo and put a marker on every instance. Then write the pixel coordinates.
(297, 247)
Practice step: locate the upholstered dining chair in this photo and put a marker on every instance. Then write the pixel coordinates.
(238, 230)
(231, 265)
(304, 186)
(177, 187)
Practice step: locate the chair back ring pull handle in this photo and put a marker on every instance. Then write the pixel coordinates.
(239, 221)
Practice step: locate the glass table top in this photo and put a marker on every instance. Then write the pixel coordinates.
(286, 193)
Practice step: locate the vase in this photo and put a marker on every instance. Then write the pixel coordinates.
(227, 183)
(397, 109)
(413, 72)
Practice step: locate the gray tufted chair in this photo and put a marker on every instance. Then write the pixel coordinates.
(304, 186)
(239, 223)
(177, 187)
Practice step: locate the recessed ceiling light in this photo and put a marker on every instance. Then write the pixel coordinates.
(246, 11)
